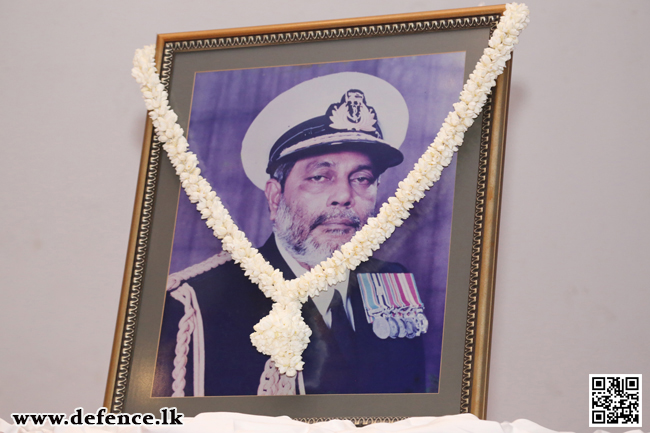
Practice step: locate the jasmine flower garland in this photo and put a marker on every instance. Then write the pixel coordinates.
(283, 334)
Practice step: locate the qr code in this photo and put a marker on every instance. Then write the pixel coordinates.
(615, 400)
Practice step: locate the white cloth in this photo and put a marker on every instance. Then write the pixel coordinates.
(225, 422)
(324, 299)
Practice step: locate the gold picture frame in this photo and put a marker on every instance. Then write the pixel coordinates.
(471, 271)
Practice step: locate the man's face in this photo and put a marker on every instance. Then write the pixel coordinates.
(326, 199)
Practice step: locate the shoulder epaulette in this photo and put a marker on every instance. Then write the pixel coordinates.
(174, 280)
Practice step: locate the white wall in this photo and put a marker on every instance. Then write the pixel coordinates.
(572, 289)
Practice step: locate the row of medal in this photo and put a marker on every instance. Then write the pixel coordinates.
(393, 305)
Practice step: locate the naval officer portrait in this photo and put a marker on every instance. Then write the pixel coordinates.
(320, 177)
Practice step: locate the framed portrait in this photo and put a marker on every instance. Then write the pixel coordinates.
(304, 130)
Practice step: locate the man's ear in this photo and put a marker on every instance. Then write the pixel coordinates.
(273, 192)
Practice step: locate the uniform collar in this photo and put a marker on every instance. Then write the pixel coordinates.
(323, 300)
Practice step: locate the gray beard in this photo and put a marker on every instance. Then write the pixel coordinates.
(295, 235)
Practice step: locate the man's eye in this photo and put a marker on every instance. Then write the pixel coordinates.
(317, 178)
(363, 180)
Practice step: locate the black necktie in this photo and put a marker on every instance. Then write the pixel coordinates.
(341, 327)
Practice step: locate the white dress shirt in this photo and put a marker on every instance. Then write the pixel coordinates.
(324, 298)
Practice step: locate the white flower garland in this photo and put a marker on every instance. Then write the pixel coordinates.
(283, 334)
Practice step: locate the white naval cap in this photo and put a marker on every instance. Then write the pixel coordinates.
(343, 111)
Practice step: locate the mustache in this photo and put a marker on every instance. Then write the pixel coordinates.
(354, 220)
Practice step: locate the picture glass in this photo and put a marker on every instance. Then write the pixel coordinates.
(236, 117)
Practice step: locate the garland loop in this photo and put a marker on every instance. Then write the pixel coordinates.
(283, 334)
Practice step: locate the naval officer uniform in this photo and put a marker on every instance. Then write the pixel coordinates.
(231, 305)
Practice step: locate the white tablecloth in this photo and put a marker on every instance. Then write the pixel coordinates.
(225, 422)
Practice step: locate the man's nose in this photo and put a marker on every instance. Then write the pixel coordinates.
(342, 193)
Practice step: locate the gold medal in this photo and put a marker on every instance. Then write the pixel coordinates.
(402, 327)
(422, 323)
(394, 327)
(381, 327)
(411, 329)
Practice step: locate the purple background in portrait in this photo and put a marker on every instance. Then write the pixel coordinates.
(225, 103)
